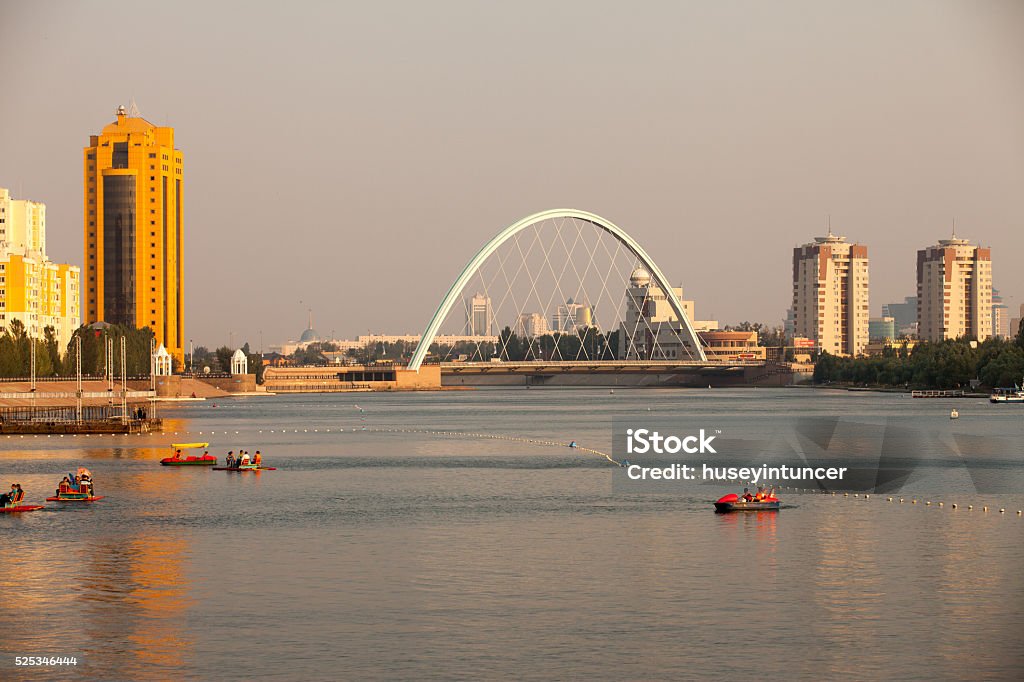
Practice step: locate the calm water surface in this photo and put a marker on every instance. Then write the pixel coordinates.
(374, 555)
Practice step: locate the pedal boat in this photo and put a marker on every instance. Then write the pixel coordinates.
(245, 467)
(68, 494)
(191, 460)
(16, 506)
(733, 503)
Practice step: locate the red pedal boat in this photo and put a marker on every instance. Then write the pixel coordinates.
(15, 506)
(192, 460)
(733, 503)
(20, 508)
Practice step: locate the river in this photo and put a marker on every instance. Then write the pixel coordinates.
(382, 548)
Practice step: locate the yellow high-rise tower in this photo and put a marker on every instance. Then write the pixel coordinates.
(133, 239)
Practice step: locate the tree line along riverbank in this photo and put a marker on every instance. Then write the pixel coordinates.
(950, 364)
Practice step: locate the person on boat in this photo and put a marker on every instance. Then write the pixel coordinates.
(229, 461)
(257, 458)
(244, 459)
(573, 445)
(6, 498)
(746, 495)
(177, 454)
(760, 494)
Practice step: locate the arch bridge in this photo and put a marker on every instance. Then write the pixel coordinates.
(685, 330)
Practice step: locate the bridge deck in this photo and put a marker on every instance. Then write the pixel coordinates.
(596, 366)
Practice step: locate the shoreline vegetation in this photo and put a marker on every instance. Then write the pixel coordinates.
(956, 364)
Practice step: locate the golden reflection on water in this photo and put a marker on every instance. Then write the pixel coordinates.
(846, 588)
(133, 592)
(119, 600)
(160, 582)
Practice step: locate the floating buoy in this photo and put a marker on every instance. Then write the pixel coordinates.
(866, 496)
(928, 504)
(954, 505)
(1002, 511)
(985, 509)
(901, 500)
(954, 414)
(970, 507)
(889, 499)
(913, 502)
(940, 504)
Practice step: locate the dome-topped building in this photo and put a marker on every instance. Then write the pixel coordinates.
(309, 336)
(640, 278)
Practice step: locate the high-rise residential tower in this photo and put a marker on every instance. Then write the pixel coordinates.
(954, 291)
(830, 294)
(34, 290)
(133, 229)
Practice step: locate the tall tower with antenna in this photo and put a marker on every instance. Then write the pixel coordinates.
(133, 236)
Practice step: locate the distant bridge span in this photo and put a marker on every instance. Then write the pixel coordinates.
(511, 231)
(622, 373)
(596, 366)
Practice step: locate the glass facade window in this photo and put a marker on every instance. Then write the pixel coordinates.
(119, 249)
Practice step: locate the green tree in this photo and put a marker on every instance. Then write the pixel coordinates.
(138, 349)
(223, 358)
(10, 357)
(52, 349)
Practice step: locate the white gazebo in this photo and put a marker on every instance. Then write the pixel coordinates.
(162, 362)
(239, 363)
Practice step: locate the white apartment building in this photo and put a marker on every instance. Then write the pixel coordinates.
(830, 294)
(954, 291)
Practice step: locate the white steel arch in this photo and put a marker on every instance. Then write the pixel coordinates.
(509, 232)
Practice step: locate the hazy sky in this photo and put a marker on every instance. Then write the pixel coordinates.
(353, 156)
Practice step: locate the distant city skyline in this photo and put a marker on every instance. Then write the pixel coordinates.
(719, 135)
